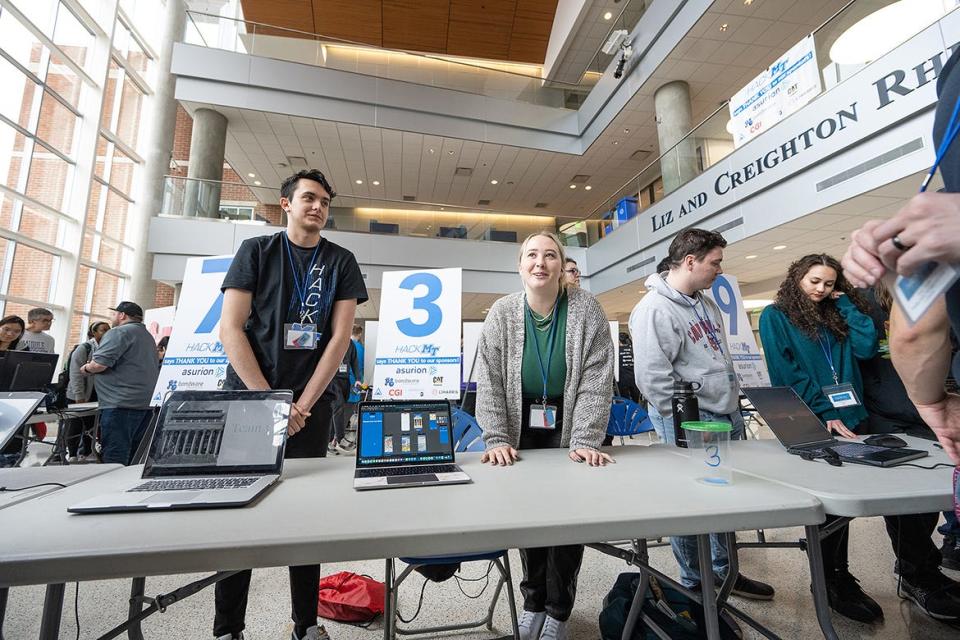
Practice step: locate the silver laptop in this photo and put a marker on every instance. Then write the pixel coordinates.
(210, 449)
(15, 408)
(405, 444)
(800, 431)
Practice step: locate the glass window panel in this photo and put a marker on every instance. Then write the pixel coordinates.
(96, 193)
(111, 255)
(128, 120)
(130, 50)
(77, 331)
(99, 10)
(58, 126)
(17, 309)
(104, 147)
(40, 12)
(20, 44)
(50, 178)
(114, 76)
(38, 225)
(73, 38)
(84, 273)
(4, 245)
(115, 216)
(107, 291)
(13, 160)
(18, 95)
(31, 273)
(64, 80)
(88, 247)
(121, 171)
(145, 15)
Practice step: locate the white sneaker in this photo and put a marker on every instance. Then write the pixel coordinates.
(316, 632)
(230, 636)
(553, 629)
(530, 624)
(347, 447)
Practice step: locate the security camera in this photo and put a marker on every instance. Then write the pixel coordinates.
(614, 41)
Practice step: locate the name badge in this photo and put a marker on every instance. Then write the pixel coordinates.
(841, 395)
(299, 336)
(543, 416)
(342, 368)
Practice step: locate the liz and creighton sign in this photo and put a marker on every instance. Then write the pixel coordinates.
(418, 342)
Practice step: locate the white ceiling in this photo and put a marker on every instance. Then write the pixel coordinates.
(715, 63)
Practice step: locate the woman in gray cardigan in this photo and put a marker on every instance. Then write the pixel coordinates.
(545, 380)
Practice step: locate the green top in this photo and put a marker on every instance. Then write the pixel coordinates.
(536, 334)
(707, 426)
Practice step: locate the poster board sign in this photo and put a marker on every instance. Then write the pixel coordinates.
(748, 364)
(159, 321)
(784, 87)
(195, 359)
(471, 341)
(418, 341)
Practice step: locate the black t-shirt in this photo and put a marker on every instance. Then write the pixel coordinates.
(948, 91)
(263, 267)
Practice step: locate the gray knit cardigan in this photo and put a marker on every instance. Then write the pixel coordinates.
(588, 388)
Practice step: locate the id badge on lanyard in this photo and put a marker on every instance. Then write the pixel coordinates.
(841, 395)
(300, 335)
(543, 416)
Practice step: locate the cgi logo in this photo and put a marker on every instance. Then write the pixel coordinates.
(438, 381)
(420, 349)
(389, 382)
(395, 393)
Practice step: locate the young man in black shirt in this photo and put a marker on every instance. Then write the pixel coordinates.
(288, 309)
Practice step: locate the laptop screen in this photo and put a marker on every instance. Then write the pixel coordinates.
(790, 419)
(15, 408)
(219, 433)
(398, 433)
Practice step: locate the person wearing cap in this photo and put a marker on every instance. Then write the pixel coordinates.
(125, 370)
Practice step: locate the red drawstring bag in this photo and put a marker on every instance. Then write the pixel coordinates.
(350, 597)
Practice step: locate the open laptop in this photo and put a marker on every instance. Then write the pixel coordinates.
(405, 444)
(15, 408)
(799, 430)
(209, 449)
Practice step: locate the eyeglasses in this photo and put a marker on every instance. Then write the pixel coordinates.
(573, 272)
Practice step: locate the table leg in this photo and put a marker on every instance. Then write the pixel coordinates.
(388, 612)
(137, 586)
(710, 614)
(819, 582)
(3, 608)
(52, 611)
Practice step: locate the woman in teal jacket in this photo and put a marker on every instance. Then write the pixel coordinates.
(812, 335)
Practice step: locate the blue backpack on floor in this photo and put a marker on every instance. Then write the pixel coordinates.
(677, 615)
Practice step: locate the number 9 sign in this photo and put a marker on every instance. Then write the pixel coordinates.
(726, 299)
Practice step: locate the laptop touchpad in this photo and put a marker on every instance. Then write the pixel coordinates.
(420, 477)
(171, 497)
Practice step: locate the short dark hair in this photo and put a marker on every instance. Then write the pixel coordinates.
(695, 242)
(290, 184)
(93, 327)
(663, 265)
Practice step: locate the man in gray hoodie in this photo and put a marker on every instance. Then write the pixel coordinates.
(678, 335)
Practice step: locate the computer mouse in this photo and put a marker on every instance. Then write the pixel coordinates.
(886, 440)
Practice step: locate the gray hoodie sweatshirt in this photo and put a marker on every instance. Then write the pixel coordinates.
(672, 341)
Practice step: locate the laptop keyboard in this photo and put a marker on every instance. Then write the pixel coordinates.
(196, 483)
(854, 450)
(407, 471)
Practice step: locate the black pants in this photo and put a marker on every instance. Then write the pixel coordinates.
(230, 598)
(341, 388)
(835, 549)
(79, 433)
(549, 573)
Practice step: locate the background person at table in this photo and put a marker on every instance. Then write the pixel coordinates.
(889, 410)
(34, 337)
(125, 372)
(288, 307)
(554, 342)
(11, 329)
(813, 334)
(678, 332)
(348, 369)
(80, 389)
(571, 272)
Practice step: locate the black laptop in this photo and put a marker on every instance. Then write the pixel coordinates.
(800, 431)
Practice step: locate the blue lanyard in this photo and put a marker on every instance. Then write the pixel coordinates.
(948, 137)
(708, 325)
(300, 288)
(544, 371)
(825, 347)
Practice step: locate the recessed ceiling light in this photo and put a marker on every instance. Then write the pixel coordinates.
(251, 175)
(494, 181)
(779, 247)
(616, 142)
(588, 187)
(256, 182)
(748, 2)
(749, 257)
(432, 150)
(573, 186)
(626, 130)
(723, 27)
(359, 181)
(607, 15)
(376, 183)
(450, 152)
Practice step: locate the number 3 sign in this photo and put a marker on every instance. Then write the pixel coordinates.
(418, 346)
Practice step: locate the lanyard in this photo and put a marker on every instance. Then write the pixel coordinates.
(824, 346)
(953, 127)
(708, 326)
(300, 288)
(551, 335)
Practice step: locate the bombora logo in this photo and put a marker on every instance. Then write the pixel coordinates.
(419, 349)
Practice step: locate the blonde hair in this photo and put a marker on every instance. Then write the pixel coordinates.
(560, 251)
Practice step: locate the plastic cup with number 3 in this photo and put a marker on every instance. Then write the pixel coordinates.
(709, 446)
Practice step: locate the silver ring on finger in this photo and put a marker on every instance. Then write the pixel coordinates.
(898, 243)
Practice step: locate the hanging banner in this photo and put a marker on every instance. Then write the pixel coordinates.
(159, 321)
(195, 359)
(418, 341)
(748, 364)
(788, 84)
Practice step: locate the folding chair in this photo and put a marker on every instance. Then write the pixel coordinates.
(627, 419)
(466, 437)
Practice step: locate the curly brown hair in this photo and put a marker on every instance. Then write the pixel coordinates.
(809, 316)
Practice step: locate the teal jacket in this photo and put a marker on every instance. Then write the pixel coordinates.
(795, 360)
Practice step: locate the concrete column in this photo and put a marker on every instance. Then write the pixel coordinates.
(207, 143)
(674, 121)
(157, 150)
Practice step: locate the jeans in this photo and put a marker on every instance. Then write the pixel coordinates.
(121, 431)
(685, 547)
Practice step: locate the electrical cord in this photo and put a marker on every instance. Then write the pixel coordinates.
(34, 486)
(419, 605)
(485, 578)
(76, 607)
(920, 466)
